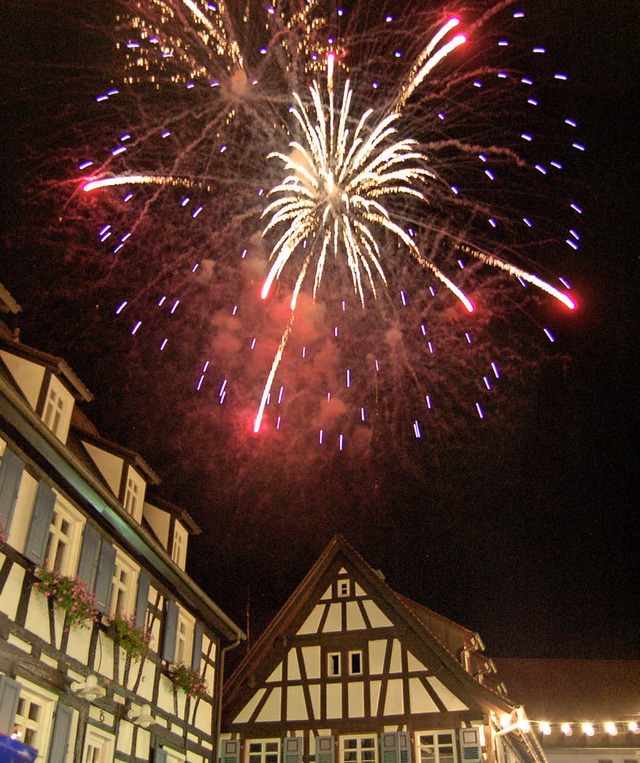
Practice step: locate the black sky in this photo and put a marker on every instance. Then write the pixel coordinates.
(532, 539)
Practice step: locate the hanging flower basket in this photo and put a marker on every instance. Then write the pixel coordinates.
(70, 595)
(187, 680)
(135, 641)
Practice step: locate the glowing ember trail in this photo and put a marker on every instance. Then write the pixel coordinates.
(374, 160)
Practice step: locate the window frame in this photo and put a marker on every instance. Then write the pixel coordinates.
(359, 749)
(134, 494)
(62, 509)
(57, 408)
(123, 564)
(262, 756)
(101, 741)
(179, 545)
(42, 741)
(334, 664)
(353, 654)
(189, 622)
(344, 588)
(436, 746)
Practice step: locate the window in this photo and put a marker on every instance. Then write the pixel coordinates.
(355, 663)
(358, 749)
(333, 664)
(179, 546)
(97, 748)
(123, 586)
(184, 638)
(64, 538)
(58, 406)
(267, 751)
(134, 495)
(343, 588)
(33, 719)
(437, 747)
(53, 411)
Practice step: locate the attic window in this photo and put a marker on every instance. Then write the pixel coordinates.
(53, 411)
(56, 413)
(134, 495)
(179, 546)
(333, 664)
(343, 588)
(355, 663)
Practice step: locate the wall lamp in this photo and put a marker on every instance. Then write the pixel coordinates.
(89, 689)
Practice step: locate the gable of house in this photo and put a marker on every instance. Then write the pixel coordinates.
(348, 670)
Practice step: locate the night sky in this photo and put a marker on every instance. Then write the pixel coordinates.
(526, 532)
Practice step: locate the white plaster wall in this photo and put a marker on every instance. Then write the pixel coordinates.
(356, 699)
(110, 466)
(11, 591)
(78, 644)
(296, 708)
(28, 376)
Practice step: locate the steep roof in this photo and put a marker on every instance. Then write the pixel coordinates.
(424, 623)
(52, 362)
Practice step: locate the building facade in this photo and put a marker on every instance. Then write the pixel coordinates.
(349, 671)
(108, 650)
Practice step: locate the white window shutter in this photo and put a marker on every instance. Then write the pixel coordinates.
(470, 745)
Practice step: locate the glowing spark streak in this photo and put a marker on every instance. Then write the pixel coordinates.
(416, 77)
(528, 277)
(127, 180)
(274, 367)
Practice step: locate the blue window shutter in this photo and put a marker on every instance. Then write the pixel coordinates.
(292, 750)
(389, 747)
(159, 755)
(470, 746)
(60, 736)
(230, 751)
(89, 556)
(170, 631)
(104, 577)
(36, 545)
(324, 749)
(11, 470)
(142, 600)
(9, 696)
(196, 654)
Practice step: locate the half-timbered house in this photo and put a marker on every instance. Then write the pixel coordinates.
(75, 510)
(350, 671)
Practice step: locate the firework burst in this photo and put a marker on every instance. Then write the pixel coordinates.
(313, 174)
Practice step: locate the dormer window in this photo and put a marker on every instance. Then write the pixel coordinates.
(134, 495)
(56, 413)
(179, 546)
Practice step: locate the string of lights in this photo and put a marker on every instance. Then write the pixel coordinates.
(569, 728)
